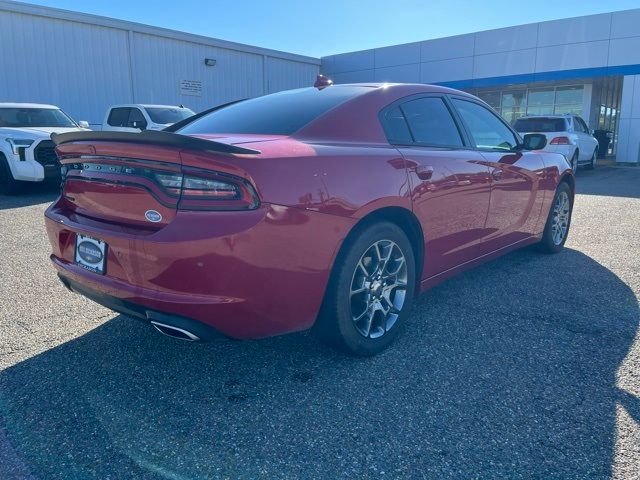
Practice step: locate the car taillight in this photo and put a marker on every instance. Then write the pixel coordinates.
(208, 190)
(560, 141)
(172, 182)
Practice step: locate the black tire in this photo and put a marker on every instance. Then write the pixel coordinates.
(594, 159)
(548, 244)
(574, 161)
(335, 324)
(8, 185)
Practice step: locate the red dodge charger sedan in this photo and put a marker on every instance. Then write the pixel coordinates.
(330, 207)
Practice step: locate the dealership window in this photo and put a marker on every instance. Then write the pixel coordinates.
(492, 98)
(515, 103)
(541, 101)
(569, 100)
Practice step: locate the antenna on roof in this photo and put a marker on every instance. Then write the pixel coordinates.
(322, 82)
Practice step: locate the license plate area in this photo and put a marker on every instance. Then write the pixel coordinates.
(90, 253)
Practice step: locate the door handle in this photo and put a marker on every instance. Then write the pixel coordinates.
(424, 172)
(496, 173)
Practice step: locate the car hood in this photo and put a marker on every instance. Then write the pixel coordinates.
(35, 132)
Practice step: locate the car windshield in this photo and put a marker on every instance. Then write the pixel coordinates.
(34, 117)
(540, 124)
(165, 115)
(281, 113)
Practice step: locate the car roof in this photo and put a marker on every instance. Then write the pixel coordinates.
(361, 112)
(406, 87)
(27, 105)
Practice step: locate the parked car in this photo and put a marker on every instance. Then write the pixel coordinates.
(323, 207)
(137, 117)
(566, 134)
(26, 150)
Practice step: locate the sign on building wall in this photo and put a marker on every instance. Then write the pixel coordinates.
(191, 87)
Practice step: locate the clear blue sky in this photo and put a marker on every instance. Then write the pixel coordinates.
(323, 27)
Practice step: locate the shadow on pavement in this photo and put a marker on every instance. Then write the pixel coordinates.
(609, 181)
(506, 371)
(32, 194)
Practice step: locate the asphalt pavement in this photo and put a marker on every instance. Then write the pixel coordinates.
(526, 367)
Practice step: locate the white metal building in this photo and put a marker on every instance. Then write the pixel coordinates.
(85, 63)
(585, 65)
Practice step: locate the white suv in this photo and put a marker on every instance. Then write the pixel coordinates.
(26, 151)
(566, 134)
(137, 117)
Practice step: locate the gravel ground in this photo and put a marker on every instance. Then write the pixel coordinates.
(527, 367)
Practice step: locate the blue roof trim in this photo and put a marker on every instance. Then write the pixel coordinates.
(544, 76)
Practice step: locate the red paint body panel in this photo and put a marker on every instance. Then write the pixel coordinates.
(247, 274)
(261, 272)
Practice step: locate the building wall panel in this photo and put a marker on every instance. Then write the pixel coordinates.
(446, 70)
(625, 24)
(348, 62)
(624, 51)
(506, 39)
(397, 55)
(160, 64)
(504, 63)
(446, 48)
(284, 74)
(574, 56)
(354, 77)
(629, 127)
(402, 73)
(80, 67)
(574, 30)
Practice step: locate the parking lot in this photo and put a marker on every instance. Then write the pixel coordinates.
(527, 367)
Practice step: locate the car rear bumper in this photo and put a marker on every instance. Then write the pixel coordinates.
(137, 310)
(244, 274)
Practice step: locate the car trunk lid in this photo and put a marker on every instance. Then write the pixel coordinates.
(133, 179)
(120, 182)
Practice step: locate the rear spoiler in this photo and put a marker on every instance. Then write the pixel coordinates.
(153, 137)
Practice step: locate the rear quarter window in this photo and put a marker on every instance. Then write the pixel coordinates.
(431, 123)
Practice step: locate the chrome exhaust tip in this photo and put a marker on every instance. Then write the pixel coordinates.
(174, 332)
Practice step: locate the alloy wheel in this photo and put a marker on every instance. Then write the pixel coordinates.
(560, 218)
(378, 289)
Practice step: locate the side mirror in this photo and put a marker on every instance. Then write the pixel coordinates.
(83, 124)
(140, 125)
(534, 141)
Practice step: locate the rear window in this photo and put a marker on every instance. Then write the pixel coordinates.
(282, 113)
(168, 115)
(528, 125)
